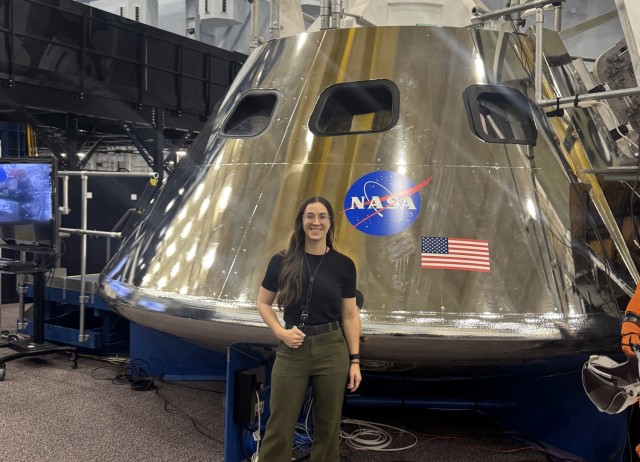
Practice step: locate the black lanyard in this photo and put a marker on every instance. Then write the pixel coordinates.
(304, 316)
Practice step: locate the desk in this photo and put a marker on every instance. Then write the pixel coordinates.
(35, 346)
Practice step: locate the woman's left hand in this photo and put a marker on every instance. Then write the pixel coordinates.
(354, 377)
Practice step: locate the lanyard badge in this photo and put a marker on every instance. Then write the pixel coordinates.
(304, 316)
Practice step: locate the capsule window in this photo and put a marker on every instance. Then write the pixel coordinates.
(356, 107)
(500, 115)
(251, 115)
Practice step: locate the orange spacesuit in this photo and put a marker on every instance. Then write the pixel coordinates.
(631, 330)
(631, 325)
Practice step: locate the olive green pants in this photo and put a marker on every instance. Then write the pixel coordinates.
(323, 361)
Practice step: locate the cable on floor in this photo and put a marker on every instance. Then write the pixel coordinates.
(7, 335)
(170, 407)
(147, 383)
(178, 384)
(115, 360)
(369, 436)
(129, 373)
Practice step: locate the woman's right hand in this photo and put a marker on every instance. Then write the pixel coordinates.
(293, 337)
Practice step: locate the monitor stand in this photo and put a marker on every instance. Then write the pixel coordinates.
(35, 346)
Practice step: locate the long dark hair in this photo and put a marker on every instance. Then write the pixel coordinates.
(290, 279)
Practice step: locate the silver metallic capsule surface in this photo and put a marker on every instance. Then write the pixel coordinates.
(467, 250)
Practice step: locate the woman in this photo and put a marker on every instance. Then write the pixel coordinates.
(319, 344)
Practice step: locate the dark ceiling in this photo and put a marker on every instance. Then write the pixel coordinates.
(88, 81)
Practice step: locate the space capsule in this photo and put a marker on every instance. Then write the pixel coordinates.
(463, 205)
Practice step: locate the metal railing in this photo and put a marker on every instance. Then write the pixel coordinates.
(84, 232)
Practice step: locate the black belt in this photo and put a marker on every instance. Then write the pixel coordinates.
(317, 329)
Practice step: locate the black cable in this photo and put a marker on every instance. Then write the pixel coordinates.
(122, 377)
(177, 384)
(117, 379)
(193, 421)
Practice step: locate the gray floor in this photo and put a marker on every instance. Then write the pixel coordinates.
(51, 412)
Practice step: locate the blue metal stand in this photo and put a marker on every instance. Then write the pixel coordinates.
(107, 333)
(152, 353)
(542, 403)
(241, 357)
(155, 354)
(553, 408)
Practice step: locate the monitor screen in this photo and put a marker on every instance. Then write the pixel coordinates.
(28, 204)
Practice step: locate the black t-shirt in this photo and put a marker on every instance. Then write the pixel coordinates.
(335, 280)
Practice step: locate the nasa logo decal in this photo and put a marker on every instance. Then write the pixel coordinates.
(383, 203)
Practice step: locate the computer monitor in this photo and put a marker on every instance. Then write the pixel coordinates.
(28, 204)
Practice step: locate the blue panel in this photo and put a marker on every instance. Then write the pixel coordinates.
(71, 297)
(107, 332)
(158, 354)
(65, 335)
(544, 402)
(241, 356)
(553, 408)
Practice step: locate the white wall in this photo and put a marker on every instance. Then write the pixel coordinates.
(148, 9)
(171, 16)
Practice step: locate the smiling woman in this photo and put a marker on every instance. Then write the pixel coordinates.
(316, 224)
(319, 344)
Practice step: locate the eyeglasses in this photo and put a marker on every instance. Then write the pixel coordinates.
(321, 218)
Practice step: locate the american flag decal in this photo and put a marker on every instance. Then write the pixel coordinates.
(455, 254)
